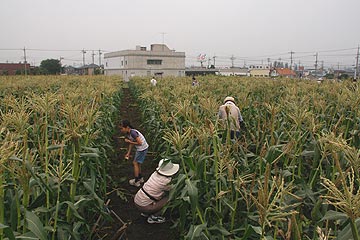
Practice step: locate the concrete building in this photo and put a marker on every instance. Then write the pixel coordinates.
(259, 72)
(158, 61)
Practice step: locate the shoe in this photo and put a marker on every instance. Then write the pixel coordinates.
(155, 219)
(135, 183)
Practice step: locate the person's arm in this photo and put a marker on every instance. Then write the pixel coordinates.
(137, 141)
(127, 155)
(134, 135)
(241, 121)
(221, 113)
(240, 117)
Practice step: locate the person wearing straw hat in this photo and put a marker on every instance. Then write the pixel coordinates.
(230, 114)
(151, 198)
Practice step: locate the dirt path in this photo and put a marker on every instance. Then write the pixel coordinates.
(133, 224)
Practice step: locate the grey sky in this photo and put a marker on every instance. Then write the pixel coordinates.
(251, 30)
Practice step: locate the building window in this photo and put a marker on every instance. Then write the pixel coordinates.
(122, 63)
(125, 62)
(154, 62)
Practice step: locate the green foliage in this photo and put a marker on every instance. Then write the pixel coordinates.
(54, 146)
(267, 185)
(50, 66)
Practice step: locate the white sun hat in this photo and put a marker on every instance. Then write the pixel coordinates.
(229, 99)
(167, 168)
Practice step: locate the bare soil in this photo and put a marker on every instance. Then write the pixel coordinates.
(128, 223)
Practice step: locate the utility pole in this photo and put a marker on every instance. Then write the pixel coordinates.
(357, 65)
(83, 52)
(316, 62)
(214, 59)
(291, 59)
(232, 60)
(100, 58)
(92, 56)
(25, 61)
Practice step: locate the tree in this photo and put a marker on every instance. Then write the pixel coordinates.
(35, 71)
(50, 66)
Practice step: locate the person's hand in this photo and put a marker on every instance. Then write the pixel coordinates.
(127, 156)
(127, 140)
(243, 126)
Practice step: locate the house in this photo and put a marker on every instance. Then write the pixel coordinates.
(13, 68)
(283, 72)
(71, 70)
(234, 71)
(83, 70)
(158, 61)
(88, 69)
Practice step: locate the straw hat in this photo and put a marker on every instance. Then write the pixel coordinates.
(229, 99)
(167, 168)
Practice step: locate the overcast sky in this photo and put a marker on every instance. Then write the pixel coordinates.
(250, 30)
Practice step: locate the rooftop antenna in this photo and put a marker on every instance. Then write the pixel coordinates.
(163, 39)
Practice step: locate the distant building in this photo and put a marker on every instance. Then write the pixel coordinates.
(234, 71)
(283, 72)
(158, 61)
(13, 68)
(195, 71)
(88, 69)
(71, 70)
(259, 67)
(83, 70)
(260, 72)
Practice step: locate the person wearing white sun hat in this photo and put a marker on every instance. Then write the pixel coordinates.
(230, 116)
(151, 198)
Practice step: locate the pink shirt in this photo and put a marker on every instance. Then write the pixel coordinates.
(155, 186)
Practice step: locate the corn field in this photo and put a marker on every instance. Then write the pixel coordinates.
(293, 174)
(55, 138)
